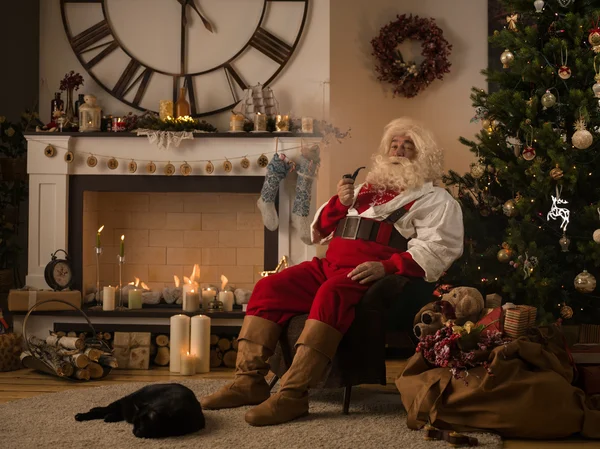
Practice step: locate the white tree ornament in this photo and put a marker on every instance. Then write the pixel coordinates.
(559, 212)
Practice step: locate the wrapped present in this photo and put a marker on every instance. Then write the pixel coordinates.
(518, 319)
(492, 320)
(492, 301)
(11, 346)
(23, 300)
(589, 333)
(132, 350)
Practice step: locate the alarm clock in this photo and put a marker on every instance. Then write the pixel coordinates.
(58, 273)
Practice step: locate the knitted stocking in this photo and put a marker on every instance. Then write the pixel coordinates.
(277, 170)
(307, 171)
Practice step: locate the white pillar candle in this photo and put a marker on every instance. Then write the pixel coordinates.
(208, 294)
(134, 298)
(108, 298)
(180, 340)
(227, 298)
(191, 301)
(186, 289)
(260, 122)
(188, 364)
(200, 342)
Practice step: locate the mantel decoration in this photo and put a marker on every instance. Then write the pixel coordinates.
(406, 77)
(71, 82)
(170, 131)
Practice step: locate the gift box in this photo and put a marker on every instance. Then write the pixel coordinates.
(23, 300)
(132, 350)
(492, 301)
(492, 321)
(518, 319)
(11, 346)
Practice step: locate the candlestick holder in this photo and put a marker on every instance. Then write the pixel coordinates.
(121, 260)
(98, 296)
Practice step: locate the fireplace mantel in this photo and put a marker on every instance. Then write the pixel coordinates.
(49, 179)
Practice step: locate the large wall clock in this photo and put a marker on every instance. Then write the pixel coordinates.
(141, 51)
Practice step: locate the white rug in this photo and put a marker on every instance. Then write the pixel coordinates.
(376, 420)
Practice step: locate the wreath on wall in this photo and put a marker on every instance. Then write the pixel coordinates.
(407, 78)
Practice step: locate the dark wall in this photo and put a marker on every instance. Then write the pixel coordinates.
(19, 66)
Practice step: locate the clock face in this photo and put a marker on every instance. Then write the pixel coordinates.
(62, 274)
(144, 51)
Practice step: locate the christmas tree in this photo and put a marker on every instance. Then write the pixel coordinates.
(531, 201)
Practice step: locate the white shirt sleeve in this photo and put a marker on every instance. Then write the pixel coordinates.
(439, 235)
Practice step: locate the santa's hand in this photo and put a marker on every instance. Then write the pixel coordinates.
(367, 272)
(345, 191)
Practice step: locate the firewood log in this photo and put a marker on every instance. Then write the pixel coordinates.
(163, 356)
(153, 349)
(107, 336)
(229, 359)
(93, 354)
(224, 344)
(61, 334)
(82, 335)
(71, 343)
(162, 340)
(67, 369)
(78, 360)
(214, 339)
(108, 360)
(96, 371)
(234, 344)
(216, 358)
(82, 374)
(52, 340)
(71, 334)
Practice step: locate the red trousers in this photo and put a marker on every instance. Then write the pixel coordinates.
(319, 288)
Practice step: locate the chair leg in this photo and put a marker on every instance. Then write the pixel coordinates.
(347, 394)
(273, 381)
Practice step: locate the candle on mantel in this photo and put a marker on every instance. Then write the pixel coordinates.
(208, 294)
(188, 364)
(180, 340)
(200, 342)
(108, 298)
(226, 296)
(98, 245)
(260, 122)
(191, 301)
(135, 298)
(122, 247)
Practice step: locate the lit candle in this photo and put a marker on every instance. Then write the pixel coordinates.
(166, 109)
(260, 122)
(208, 294)
(188, 364)
(307, 124)
(98, 237)
(191, 301)
(236, 123)
(226, 297)
(179, 340)
(135, 298)
(122, 248)
(282, 123)
(108, 298)
(200, 342)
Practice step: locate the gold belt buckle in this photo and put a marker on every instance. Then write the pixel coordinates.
(351, 226)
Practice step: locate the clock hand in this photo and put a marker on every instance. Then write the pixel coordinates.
(206, 23)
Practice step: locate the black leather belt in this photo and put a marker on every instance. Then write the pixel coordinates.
(354, 227)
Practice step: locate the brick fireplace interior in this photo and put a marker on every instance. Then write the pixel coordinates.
(170, 224)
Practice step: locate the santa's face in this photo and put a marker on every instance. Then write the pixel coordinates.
(402, 146)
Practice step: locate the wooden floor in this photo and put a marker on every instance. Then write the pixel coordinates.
(26, 383)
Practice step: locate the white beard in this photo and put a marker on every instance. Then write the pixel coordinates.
(395, 173)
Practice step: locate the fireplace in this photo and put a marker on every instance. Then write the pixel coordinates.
(212, 216)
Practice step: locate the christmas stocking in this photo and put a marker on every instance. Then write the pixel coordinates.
(277, 170)
(307, 170)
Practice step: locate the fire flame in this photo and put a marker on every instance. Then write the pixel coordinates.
(144, 286)
(187, 280)
(101, 228)
(224, 282)
(177, 281)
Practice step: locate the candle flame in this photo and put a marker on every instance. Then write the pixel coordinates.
(224, 282)
(122, 237)
(187, 280)
(192, 291)
(101, 228)
(137, 281)
(132, 283)
(195, 273)
(176, 279)
(144, 286)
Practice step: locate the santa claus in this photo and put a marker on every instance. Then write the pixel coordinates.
(396, 222)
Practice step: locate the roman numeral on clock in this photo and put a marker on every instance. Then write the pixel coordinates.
(125, 83)
(271, 46)
(189, 83)
(84, 40)
(230, 73)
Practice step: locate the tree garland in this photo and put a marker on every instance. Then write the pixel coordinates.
(408, 79)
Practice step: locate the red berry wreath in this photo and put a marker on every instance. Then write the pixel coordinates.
(408, 79)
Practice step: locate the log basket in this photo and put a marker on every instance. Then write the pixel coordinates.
(38, 364)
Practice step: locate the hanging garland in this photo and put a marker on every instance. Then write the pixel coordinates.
(407, 78)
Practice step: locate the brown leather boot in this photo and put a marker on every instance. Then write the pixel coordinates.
(256, 343)
(314, 350)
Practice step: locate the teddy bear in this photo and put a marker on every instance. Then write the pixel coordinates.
(460, 305)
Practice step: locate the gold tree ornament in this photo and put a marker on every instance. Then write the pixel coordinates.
(585, 282)
(566, 312)
(151, 167)
(112, 163)
(582, 138)
(556, 173)
(132, 166)
(507, 58)
(596, 236)
(548, 99)
(227, 167)
(511, 20)
(263, 161)
(69, 157)
(49, 151)
(185, 169)
(91, 161)
(564, 243)
(477, 170)
(209, 168)
(245, 163)
(510, 208)
(169, 169)
(505, 254)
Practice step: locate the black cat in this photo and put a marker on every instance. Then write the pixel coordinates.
(156, 411)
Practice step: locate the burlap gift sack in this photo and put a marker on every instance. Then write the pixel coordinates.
(11, 346)
(529, 394)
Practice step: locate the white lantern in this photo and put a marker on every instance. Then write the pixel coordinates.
(539, 5)
(90, 115)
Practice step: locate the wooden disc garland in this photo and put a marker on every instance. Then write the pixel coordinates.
(169, 169)
(227, 166)
(245, 163)
(92, 161)
(69, 157)
(185, 169)
(132, 166)
(112, 163)
(263, 161)
(49, 151)
(151, 167)
(210, 168)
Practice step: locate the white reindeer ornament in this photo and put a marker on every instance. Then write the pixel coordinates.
(559, 212)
